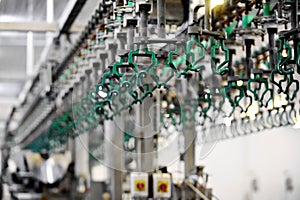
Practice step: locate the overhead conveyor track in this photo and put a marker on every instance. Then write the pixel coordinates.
(251, 82)
(134, 79)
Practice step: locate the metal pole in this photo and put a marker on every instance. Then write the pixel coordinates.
(294, 14)
(113, 157)
(294, 23)
(130, 37)
(144, 139)
(50, 11)
(248, 43)
(29, 54)
(189, 132)
(271, 32)
(207, 14)
(161, 18)
(144, 24)
(231, 71)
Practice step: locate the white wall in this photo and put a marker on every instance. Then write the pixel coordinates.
(268, 157)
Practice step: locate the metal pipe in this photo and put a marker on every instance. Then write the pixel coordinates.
(82, 86)
(271, 36)
(294, 14)
(231, 71)
(144, 24)
(189, 133)
(279, 9)
(88, 83)
(161, 18)
(294, 23)
(198, 192)
(30, 54)
(50, 11)
(130, 37)
(207, 14)
(248, 43)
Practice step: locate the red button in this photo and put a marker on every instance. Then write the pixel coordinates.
(140, 186)
(163, 187)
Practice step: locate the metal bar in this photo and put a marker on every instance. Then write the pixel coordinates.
(161, 18)
(271, 37)
(71, 12)
(231, 70)
(248, 43)
(189, 133)
(130, 37)
(50, 11)
(114, 156)
(198, 192)
(158, 40)
(82, 157)
(295, 24)
(28, 26)
(207, 14)
(29, 54)
(294, 14)
(144, 23)
(213, 34)
(36, 27)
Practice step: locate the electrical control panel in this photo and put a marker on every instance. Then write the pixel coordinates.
(162, 185)
(139, 184)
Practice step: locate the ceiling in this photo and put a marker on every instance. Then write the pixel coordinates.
(13, 46)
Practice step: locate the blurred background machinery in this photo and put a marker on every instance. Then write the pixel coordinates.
(122, 99)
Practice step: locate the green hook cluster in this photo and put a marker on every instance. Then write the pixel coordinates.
(79, 119)
(126, 83)
(119, 91)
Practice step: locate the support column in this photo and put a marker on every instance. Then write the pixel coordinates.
(144, 137)
(82, 157)
(189, 143)
(189, 132)
(114, 156)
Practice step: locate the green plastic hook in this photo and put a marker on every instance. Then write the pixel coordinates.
(258, 79)
(221, 68)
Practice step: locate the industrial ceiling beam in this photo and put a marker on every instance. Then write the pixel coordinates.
(28, 26)
(37, 27)
(69, 15)
(65, 25)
